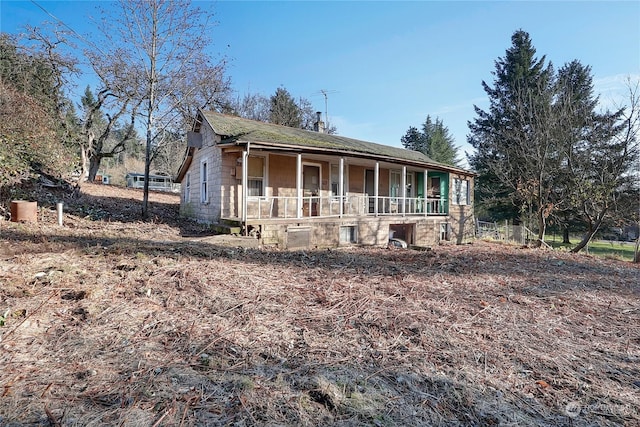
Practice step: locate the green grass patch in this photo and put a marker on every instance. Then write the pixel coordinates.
(605, 249)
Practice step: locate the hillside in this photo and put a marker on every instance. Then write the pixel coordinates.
(112, 321)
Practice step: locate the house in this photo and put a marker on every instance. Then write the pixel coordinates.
(296, 188)
(156, 182)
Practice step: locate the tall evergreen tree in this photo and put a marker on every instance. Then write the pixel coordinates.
(543, 148)
(414, 140)
(515, 139)
(434, 140)
(574, 107)
(602, 155)
(284, 110)
(440, 142)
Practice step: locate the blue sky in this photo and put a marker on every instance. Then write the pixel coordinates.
(387, 65)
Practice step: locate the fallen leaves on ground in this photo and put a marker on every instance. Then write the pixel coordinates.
(110, 320)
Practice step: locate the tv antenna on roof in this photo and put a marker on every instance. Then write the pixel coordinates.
(326, 92)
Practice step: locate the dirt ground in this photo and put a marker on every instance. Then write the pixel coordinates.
(109, 320)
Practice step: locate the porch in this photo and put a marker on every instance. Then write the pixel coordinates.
(275, 186)
(350, 205)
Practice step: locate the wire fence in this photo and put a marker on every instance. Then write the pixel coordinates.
(519, 234)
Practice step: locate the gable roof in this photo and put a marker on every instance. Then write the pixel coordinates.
(235, 129)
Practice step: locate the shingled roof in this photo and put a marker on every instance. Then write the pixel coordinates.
(234, 129)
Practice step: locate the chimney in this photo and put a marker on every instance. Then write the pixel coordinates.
(318, 126)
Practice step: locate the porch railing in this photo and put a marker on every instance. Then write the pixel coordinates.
(352, 205)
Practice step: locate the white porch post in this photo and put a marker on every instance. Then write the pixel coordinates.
(425, 191)
(341, 186)
(376, 182)
(404, 190)
(299, 185)
(245, 179)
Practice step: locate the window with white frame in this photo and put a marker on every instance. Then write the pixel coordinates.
(187, 188)
(460, 191)
(348, 234)
(204, 181)
(445, 231)
(255, 177)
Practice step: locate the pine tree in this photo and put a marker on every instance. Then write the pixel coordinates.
(575, 105)
(515, 139)
(542, 148)
(434, 140)
(440, 142)
(284, 109)
(415, 140)
(602, 150)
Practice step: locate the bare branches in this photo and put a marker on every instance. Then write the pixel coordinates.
(99, 127)
(162, 65)
(33, 112)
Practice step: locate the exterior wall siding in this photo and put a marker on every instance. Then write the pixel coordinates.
(356, 179)
(282, 178)
(461, 217)
(230, 184)
(383, 182)
(205, 212)
(427, 233)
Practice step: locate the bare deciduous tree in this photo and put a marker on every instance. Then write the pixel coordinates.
(156, 56)
(251, 106)
(97, 128)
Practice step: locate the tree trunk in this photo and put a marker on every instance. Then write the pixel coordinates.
(84, 164)
(636, 252)
(151, 105)
(147, 167)
(94, 166)
(542, 228)
(589, 235)
(565, 235)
